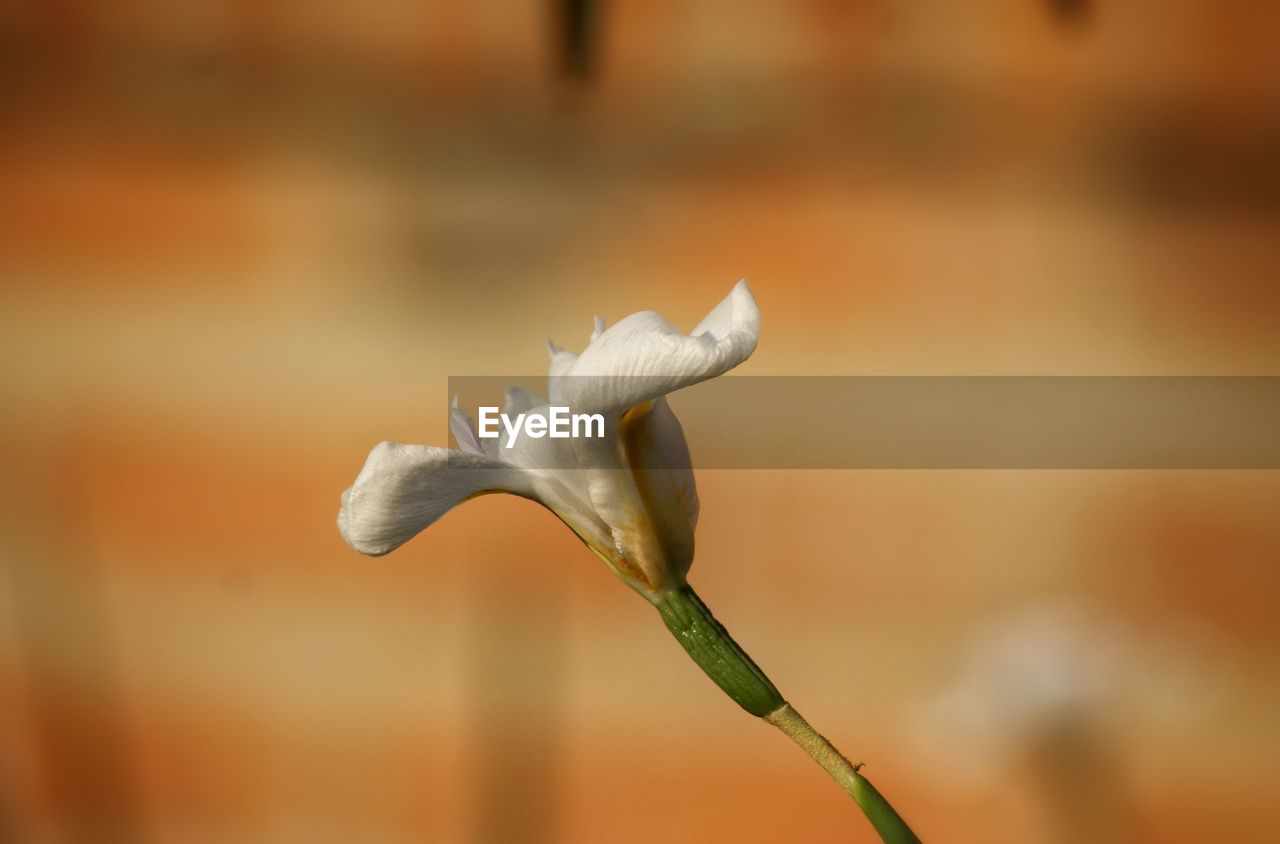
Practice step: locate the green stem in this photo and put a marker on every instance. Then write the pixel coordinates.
(725, 662)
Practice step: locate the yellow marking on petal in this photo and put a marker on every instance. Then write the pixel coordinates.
(622, 568)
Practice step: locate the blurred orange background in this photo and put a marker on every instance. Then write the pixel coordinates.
(240, 243)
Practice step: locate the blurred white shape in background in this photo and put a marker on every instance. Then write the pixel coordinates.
(1050, 696)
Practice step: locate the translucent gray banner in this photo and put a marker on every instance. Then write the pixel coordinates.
(964, 422)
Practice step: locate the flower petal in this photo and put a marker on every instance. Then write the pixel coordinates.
(552, 469)
(640, 552)
(643, 356)
(464, 429)
(659, 457)
(643, 488)
(404, 488)
(562, 361)
(520, 400)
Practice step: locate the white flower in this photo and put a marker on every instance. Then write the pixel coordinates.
(629, 495)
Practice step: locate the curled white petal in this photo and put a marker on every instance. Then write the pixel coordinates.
(643, 356)
(404, 488)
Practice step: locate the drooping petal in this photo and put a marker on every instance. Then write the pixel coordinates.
(404, 488)
(643, 356)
